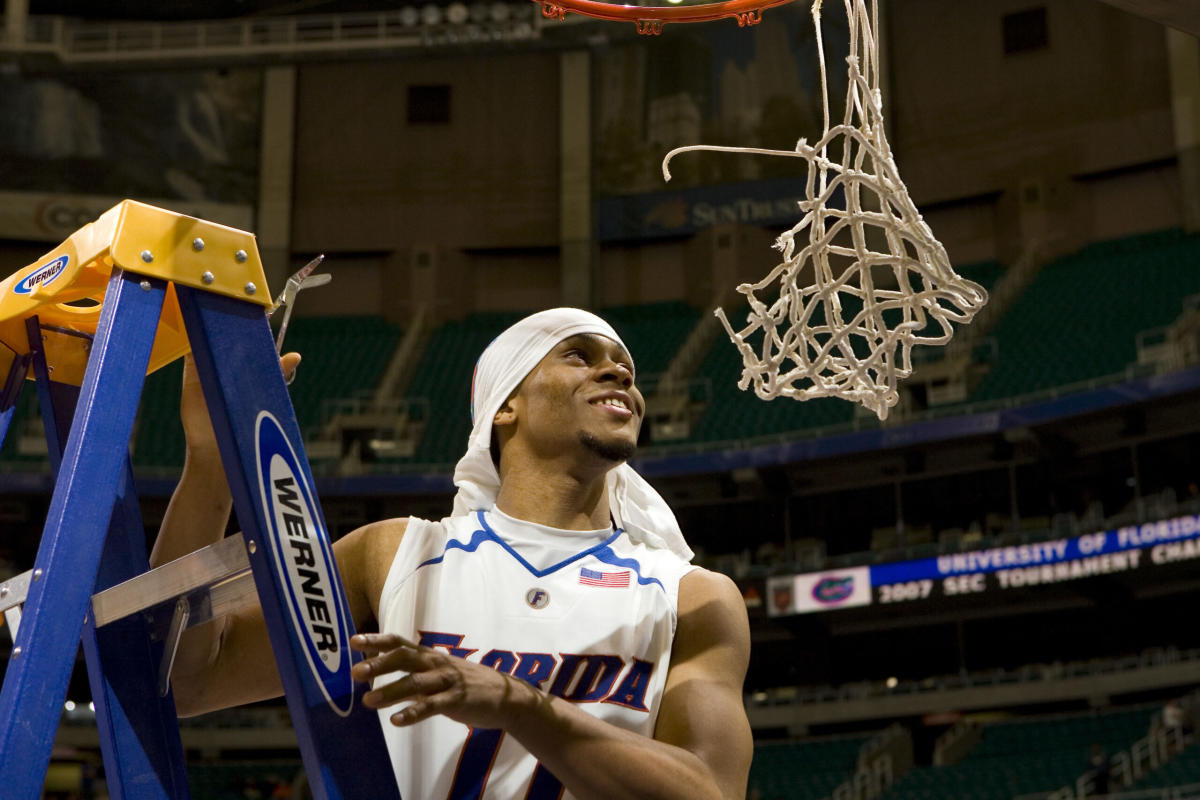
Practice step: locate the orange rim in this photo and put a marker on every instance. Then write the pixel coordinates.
(649, 20)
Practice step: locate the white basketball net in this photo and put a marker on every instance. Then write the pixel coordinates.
(827, 328)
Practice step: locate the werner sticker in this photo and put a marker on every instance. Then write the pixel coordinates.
(42, 276)
(304, 562)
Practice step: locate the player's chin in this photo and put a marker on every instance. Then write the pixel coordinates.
(610, 447)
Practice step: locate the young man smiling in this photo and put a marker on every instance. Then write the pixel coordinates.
(547, 639)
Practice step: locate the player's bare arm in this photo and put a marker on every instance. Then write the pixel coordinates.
(229, 661)
(702, 746)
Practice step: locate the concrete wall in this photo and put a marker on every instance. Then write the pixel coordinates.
(366, 179)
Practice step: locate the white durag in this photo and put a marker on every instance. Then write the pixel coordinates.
(635, 506)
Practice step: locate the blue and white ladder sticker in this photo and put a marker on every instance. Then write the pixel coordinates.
(305, 564)
(42, 275)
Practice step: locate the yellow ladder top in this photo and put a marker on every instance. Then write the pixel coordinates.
(65, 288)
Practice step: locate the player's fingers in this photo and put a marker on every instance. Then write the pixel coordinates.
(425, 707)
(415, 685)
(378, 642)
(288, 363)
(406, 657)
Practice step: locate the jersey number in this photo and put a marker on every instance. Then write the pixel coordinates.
(475, 765)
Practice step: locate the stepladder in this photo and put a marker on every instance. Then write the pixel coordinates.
(123, 296)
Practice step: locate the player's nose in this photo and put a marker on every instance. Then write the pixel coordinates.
(611, 370)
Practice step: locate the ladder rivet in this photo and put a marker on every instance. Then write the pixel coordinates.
(147, 256)
(252, 547)
(145, 286)
(3, 591)
(251, 288)
(37, 573)
(197, 244)
(208, 278)
(240, 255)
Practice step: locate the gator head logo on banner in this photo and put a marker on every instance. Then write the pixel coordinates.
(833, 589)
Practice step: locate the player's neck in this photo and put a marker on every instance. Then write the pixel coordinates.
(555, 498)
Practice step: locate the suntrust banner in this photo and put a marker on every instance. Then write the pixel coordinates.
(771, 202)
(1126, 549)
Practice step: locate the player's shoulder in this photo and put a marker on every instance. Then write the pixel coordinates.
(365, 553)
(702, 586)
(712, 613)
(373, 536)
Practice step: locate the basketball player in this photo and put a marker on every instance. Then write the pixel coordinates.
(550, 637)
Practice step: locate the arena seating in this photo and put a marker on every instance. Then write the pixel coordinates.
(347, 352)
(1080, 316)
(448, 389)
(1024, 756)
(1048, 338)
(653, 332)
(804, 770)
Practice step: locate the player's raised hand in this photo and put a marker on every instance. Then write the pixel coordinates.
(437, 683)
(197, 428)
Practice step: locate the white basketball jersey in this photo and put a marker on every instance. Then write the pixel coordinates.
(588, 616)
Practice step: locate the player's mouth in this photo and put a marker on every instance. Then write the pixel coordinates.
(616, 403)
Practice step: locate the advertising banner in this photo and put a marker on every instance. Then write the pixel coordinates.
(1119, 550)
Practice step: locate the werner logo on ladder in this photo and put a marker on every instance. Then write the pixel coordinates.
(304, 561)
(164, 284)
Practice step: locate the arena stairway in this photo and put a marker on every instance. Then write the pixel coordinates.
(1181, 770)
(1025, 756)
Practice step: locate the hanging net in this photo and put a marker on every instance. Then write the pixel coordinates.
(862, 279)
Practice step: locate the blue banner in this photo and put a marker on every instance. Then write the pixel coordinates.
(772, 202)
(1057, 554)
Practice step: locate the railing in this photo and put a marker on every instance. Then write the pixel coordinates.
(75, 41)
(1029, 674)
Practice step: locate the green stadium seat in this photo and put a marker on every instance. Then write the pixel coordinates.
(1026, 756)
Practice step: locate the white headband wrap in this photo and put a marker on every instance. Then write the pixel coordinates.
(636, 507)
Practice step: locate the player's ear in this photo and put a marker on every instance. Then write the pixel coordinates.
(506, 415)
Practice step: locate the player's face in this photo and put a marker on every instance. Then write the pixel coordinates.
(582, 393)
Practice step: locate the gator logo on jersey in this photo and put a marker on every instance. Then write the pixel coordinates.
(41, 276)
(304, 561)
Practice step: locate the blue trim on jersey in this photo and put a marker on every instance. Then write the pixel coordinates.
(486, 534)
(605, 554)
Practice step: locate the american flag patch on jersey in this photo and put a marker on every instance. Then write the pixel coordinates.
(590, 577)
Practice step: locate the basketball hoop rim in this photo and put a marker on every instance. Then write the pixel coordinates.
(747, 12)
